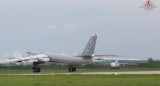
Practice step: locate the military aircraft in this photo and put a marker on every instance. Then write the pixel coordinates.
(115, 63)
(148, 5)
(86, 57)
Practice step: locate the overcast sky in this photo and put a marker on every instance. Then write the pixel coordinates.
(66, 25)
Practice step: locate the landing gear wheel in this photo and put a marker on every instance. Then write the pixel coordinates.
(35, 67)
(74, 69)
(71, 69)
(38, 70)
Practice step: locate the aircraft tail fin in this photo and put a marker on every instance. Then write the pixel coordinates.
(90, 47)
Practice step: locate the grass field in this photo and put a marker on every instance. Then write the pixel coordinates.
(63, 70)
(81, 80)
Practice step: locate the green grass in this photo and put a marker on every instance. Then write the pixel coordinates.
(64, 69)
(81, 80)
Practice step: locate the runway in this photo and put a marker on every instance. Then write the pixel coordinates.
(87, 73)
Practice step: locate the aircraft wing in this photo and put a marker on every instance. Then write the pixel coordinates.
(105, 55)
(38, 58)
(120, 59)
(116, 59)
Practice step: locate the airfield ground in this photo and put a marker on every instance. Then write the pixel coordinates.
(83, 77)
(81, 80)
(28, 70)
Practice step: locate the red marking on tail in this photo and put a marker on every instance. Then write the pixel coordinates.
(148, 5)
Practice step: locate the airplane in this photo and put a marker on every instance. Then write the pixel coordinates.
(148, 5)
(116, 63)
(86, 57)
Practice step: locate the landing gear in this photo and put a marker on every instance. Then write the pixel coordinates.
(36, 70)
(35, 67)
(72, 69)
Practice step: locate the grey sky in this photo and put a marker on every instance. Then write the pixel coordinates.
(66, 25)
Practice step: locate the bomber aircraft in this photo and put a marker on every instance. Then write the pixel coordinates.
(87, 57)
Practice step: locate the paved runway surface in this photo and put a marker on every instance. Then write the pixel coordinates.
(92, 73)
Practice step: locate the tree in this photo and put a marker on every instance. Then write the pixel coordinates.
(150, 60)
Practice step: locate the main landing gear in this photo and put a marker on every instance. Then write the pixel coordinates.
(35, 67)
(72, 69)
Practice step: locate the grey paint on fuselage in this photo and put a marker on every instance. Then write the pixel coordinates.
(67, 59)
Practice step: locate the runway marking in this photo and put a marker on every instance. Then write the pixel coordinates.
(87, 73)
